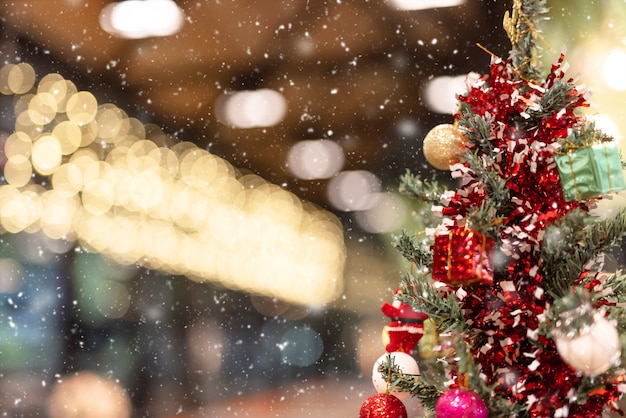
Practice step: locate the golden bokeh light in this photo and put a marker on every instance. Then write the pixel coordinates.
(58, 211)
(60, 88)
(89, 132)
(20, 211)
(81, 108)
(70, 136)
(24, 124)
(42, 108)
(67, 180)
(112, 123)
(46, 155)
(97, 197)
(124, 189)
(20, 78)
(18, 170)
(4, 79)
(88, 395)
(18, 144)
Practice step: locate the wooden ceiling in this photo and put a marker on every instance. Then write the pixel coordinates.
(350, 71)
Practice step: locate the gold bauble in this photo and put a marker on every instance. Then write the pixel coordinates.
(442, 146)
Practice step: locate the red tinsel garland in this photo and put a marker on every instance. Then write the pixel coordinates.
(525, 366)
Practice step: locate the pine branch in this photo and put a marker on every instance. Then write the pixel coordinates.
(427, 191)
(572, 242)
(428, 394)
(559, 96)
(522, 29)
(442, 308)
(476, 129)
(498, 406)
(589, 385)
(559, 268)
(585, 134)
(498, 199)
(615, 286)
(612, 297)
(603, 235)
(572, 312)
(417, 385)
(414, 251)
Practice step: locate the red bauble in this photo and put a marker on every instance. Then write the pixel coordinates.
(383, 405)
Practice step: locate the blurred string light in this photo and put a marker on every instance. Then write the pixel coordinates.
(251, 108)
(11, 275)
(388, 214)
(300, 346)
(441, 92)
(606, 125)
(354, 190)
(88, 395)
(614, 70)
(315, 159)
(206, 341)
(137, 19)
(102, 181)
(424, 4)
(360, 191)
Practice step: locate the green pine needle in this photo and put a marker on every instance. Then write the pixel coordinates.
(523, 33)
(572, 242)
(584, 134)
(443, 309)
(413, 250)
(413, 186)
(559, 96)
(476, 129)
(417, 385)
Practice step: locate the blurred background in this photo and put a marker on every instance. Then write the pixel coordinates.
(210, 236)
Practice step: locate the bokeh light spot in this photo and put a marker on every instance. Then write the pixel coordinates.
(46, 155)
(315, 159)
(21, 78)
(387, 215)
(134, 19)
(353, 190)
(614, 69)
(301, 346)
(82, 108)
(251, 109)
(424, 4)
(88, 395)
(11, 275)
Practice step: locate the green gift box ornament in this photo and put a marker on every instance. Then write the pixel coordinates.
(590, 171)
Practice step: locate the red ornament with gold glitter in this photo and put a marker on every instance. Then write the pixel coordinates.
(383, 405)
(462, 257)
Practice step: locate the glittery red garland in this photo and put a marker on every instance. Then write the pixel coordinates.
(525, 366)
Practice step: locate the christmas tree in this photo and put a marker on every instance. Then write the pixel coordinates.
(513, 277)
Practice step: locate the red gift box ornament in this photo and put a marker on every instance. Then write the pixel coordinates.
(463, 257)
